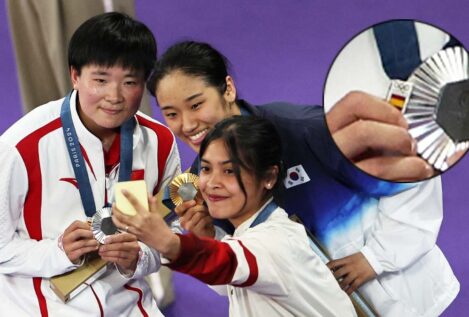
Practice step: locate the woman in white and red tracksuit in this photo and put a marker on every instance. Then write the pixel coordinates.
(40, 199)
(267, 267)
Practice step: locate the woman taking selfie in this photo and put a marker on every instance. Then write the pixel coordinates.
(267, 264)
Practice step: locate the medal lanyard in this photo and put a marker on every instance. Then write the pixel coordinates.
(399, 48)
(264, 214)
(77, 159)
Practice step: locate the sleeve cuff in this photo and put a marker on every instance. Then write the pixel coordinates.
(144, 265)
(62, 259)
(371, 258)
(189, 246)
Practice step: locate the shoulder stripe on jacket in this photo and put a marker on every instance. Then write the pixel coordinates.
(165, 144)
(253, 268)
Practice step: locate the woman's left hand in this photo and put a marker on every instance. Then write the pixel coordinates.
(352, 271)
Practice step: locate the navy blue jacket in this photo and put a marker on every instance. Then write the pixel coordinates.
(336, 191)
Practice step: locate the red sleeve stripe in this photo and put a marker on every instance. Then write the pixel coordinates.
(140, 296)
(253, 268)
(101, 311)
(165, 144)
(137, 175)
(28, 148)
(70, 180)
(213, 262)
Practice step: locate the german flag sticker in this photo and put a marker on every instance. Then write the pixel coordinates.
(399, 93)
(397, 101)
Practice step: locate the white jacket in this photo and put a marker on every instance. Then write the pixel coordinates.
(270, 268)
(39, 199)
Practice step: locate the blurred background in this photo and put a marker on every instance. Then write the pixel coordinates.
(279, 50)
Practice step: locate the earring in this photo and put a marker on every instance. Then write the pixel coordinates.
(269, 185)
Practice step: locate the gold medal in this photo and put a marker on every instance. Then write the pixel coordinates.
(184, 187)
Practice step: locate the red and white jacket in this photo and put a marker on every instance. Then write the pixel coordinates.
(39, 198)
(270, 270)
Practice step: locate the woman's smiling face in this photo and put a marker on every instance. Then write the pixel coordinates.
(220, 188)
(107, 96)
(191, 107)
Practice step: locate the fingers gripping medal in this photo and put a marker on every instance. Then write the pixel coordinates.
(184, 187)
(435, 103)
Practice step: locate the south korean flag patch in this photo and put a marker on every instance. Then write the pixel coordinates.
(296, 175)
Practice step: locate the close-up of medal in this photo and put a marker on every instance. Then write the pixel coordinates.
(430, 87)
(435, 103)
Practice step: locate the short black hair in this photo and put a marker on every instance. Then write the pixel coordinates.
(113, 39)
(253, 143)
(196, 59)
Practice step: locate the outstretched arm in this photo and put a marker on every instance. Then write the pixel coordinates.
(232, 261)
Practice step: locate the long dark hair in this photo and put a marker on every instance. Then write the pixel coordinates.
(253, 144)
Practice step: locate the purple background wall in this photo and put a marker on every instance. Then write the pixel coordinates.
(281, 50)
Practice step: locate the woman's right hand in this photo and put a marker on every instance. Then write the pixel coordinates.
(148, 226)
(194, 217)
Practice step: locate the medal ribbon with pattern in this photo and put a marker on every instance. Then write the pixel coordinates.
(78, 162)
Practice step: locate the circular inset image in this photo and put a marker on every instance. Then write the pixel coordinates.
(397, 100)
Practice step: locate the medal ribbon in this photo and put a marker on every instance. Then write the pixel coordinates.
(78, 162)
(399, 48)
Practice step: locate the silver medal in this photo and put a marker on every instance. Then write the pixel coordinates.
(437, 109)
(102, 225)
